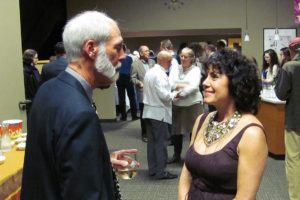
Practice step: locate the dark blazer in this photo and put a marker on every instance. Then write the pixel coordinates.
(53, 68)
(66, 153)
(287, 89)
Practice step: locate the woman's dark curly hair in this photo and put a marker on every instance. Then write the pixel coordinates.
(244, 82)
(273, 60)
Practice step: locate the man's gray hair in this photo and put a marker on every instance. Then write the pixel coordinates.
(89, 25)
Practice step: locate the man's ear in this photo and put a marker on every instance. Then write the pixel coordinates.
(90, 49)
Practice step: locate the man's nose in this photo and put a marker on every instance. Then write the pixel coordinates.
(122, 55)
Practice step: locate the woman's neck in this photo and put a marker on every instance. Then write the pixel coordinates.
(224, 112)
(185, 68)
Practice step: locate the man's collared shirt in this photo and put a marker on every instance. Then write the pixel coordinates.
(86, 86)
(157, 95)
(146, 65)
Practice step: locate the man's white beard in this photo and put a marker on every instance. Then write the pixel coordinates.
(104, 66)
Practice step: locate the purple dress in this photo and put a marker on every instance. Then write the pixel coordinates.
(214, 176)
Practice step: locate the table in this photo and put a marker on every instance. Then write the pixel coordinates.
(271, 114)
(11, 175)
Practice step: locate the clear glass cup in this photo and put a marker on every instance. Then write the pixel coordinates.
(130, 171)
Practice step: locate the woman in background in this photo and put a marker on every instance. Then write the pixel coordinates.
(186, 80)
(270, 66)
(228, 149)
(32, 76)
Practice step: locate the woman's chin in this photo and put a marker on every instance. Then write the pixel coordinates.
(208, 102)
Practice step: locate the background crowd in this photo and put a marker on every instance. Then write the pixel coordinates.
(208, 93)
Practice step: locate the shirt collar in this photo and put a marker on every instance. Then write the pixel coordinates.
(86, 86)
(144, 61)
(165, 70)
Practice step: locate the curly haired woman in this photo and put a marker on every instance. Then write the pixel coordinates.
(228, 149)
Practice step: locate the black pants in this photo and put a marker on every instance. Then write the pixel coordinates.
(177, 141)
(157, 154)
(143, 123)
(124, 83)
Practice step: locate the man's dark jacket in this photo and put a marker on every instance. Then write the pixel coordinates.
(66, 153)
(53, 68)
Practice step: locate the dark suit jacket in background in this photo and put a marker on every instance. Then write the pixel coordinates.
(53, 68)
(66, 153)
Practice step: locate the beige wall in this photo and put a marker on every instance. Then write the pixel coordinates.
(105, 102)
(137, 15)
(11, 76)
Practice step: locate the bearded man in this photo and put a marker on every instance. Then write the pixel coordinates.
(66, 152)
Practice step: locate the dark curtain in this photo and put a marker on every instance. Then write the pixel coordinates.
(42, 23)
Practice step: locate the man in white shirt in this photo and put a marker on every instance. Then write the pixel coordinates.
(158, 115)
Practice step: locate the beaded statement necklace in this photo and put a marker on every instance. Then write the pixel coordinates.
(217, 130)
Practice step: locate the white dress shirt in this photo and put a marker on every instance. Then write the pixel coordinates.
(157, 95)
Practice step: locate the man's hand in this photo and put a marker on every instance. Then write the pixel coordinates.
(141, 85)
(119, 159)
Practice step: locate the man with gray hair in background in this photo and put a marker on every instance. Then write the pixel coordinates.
(138, 71)
(288, 88)
(66, 153)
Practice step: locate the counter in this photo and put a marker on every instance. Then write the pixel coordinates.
(271, 114)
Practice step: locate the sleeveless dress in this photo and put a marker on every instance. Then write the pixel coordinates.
(214, 176)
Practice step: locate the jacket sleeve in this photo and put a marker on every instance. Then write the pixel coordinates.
(83, 163)
(160, 85)
(134, 73)
(283, 84)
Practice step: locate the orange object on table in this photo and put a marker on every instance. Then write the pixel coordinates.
(14, 127)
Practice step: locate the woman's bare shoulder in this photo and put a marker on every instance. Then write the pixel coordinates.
(253, 135)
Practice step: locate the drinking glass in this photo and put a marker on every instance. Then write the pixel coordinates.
(130, 171)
